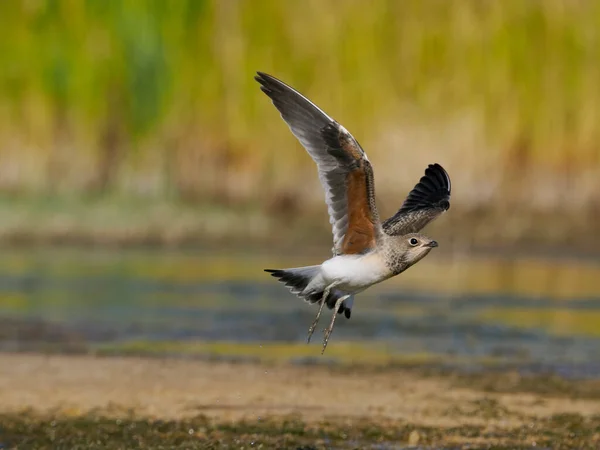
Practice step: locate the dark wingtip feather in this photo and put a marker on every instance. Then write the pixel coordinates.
(267, 82)
(439, 173)
(261, 76)
(292, 105)
(432, 190)
(274, 272)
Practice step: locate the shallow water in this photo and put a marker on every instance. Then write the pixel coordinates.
(542, 314)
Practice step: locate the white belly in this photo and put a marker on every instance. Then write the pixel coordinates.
(355, 273)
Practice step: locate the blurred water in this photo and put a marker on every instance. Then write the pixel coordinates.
(542, 313)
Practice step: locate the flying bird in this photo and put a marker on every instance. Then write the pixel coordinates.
(365, 250)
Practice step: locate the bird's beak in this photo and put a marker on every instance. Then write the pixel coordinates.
(432, 244)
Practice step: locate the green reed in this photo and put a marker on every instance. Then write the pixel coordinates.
(158, 98)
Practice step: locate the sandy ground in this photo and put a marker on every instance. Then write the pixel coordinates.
(172, 389)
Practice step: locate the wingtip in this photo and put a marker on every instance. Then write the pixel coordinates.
(260, 78)
(263, 77)
(432, 190)
(277, 273)
(267, 82)
(436, 166)
(436, 170)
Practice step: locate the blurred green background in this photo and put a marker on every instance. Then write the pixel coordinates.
(140, 120)
(139, 123)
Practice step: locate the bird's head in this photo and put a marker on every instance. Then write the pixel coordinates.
(415, 247)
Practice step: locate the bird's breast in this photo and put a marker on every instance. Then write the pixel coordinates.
(355, 272)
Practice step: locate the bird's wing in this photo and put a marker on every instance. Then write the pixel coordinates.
(344, 170)
(428, 199)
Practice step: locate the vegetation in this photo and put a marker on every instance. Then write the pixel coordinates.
(154, 99)
(99, 431)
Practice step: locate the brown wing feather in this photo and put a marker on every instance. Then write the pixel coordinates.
(362, 232)
(363, 219)
(344, 170)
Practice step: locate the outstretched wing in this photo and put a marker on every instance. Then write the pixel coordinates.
(344, 170)
(428, 199)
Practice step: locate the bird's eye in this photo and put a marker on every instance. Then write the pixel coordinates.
(413, 242)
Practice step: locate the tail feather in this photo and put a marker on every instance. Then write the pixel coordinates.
(297, 280)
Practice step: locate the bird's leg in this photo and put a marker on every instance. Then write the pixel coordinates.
(311, 330)
(329, 329)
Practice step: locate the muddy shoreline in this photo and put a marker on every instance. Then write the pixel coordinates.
(157, 401)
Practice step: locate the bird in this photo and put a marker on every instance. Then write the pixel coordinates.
(366, 251)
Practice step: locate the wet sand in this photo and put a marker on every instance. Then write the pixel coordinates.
(221, 392)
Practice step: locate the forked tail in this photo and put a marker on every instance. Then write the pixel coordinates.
(306, 283)
(297, 280)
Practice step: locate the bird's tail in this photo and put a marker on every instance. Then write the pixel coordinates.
(297, 280)
(306, 283)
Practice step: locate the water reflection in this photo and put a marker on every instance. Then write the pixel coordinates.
(524, 310)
